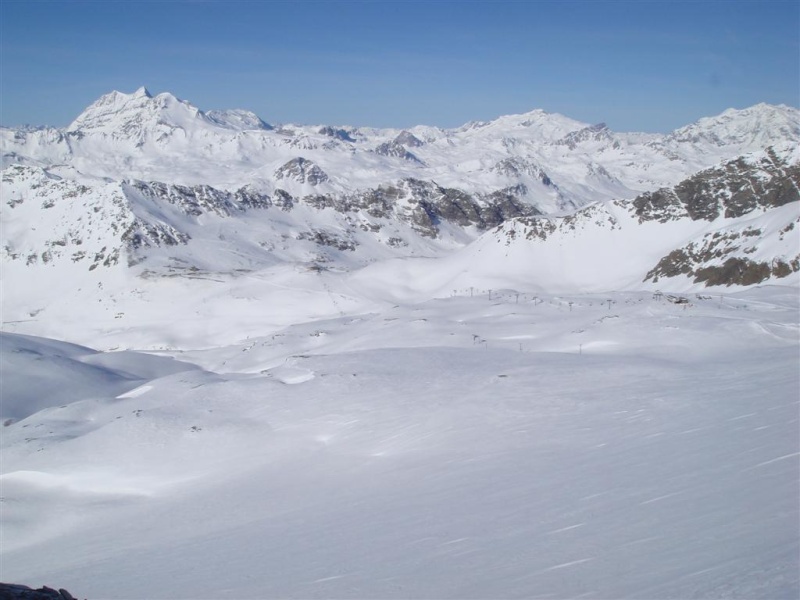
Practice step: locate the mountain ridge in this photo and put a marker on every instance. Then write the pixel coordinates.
(86, 219)
(163, 138)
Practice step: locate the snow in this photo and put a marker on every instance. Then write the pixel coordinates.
(463, 447)
(497, 414)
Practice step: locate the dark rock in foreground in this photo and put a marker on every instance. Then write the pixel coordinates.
(11, 591)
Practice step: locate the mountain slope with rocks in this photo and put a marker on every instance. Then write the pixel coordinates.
(143, 193)
(733, 225)
(162, 138)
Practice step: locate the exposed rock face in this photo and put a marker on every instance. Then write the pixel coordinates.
(336, 133)
(733, 190)
(396, 150)
(327, 238)
(193, 201)
(537, 227)
(406, 138)
(515, 167)
(11, 591)
(101, 225)
(701, 260)
(738, 188)
(301, 170)
(596, 133)
(429, 205)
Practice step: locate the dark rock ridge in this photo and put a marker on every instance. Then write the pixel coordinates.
(515, 167)
(143, 215)
(396, 150)
(735, 189)
(423, 204)
(406, 138)
(11, 591)
(596, 133)
(693, 261)
(336, 133)
(302, 170)
(542, 227)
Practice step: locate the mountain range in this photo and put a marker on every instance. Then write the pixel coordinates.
(141, 187)
(525, 358)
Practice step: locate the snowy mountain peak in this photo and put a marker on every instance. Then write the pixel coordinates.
(536, 124)
(142, 91)
(130, 116)
(761, 124)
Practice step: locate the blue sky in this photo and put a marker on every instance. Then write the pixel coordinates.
(635, 64)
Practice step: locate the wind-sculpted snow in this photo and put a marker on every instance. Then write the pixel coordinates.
(39, 374)
(492, 443)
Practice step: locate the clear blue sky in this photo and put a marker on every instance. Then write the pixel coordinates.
(640, 65)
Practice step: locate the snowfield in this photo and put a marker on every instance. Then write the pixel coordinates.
(527, 358)
(494, 444)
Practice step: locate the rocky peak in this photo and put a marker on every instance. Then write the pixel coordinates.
(406, 138)
(396, 150)
(137, 117)
(301, 170)
(516, 167)
(594, 133)
(337, 133)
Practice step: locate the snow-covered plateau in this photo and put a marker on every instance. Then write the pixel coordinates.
(528, 358)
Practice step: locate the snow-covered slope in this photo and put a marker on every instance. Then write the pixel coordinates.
(494, 446)
(39, 374)
(392, 364)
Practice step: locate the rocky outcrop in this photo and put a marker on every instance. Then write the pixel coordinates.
(11, 591)
(193, 201)
(593, 133)
(515, 167)
(720, 258)
(301, 170)
(339, 134)
(406, 138)
(425, 205)
(737, 188)
(396, 150)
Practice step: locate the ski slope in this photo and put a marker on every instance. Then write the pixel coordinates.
(483, 445)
